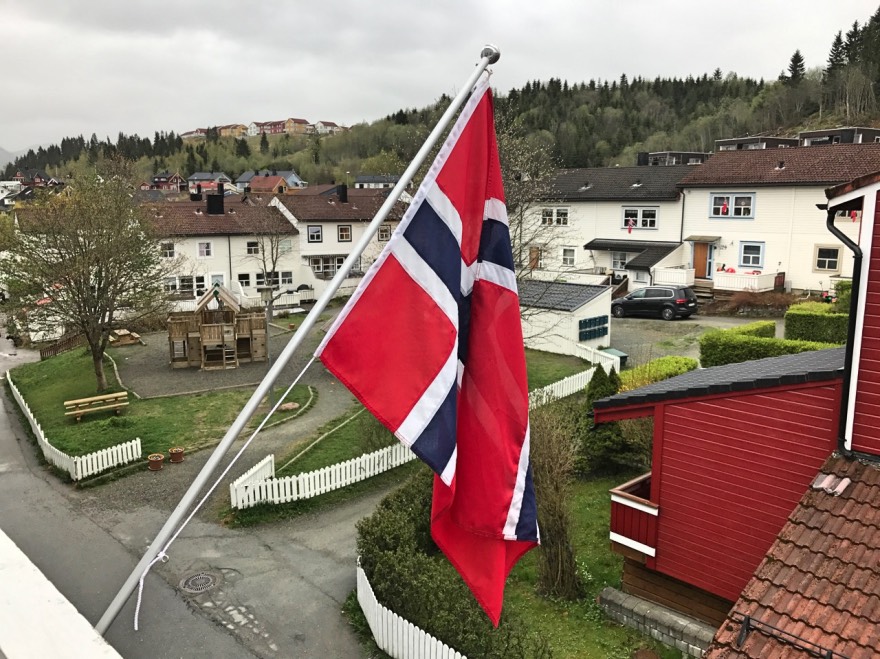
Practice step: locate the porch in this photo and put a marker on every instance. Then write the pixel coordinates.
(634, 519)
(754, 281)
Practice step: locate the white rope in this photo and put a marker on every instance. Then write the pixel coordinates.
(162, 555)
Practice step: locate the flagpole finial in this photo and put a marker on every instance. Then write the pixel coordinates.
(491, 52)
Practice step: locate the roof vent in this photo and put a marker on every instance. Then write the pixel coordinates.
(781, 165)
(637, 184)
(586, 186)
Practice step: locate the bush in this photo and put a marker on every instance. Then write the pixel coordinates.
(762, 328)
(729, 347)
(407, 576)
(656, 370)
(816, 321)
(843, 291)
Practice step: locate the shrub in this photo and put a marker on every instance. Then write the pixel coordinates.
(816, 321)
(407, 576)
(725, 347)
(843, 290)
(762, 328)
(656, 370)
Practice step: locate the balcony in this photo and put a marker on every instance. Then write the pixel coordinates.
(753, 281)
(634, 518)
(674, 276)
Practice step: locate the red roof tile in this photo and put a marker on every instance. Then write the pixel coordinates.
(191, 218)
(809, 165)
(819, 583)
(266, 183)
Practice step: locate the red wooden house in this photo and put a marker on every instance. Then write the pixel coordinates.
(735, 483)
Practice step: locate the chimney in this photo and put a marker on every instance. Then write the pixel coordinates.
(197, 195)
(781, 165)
(642, 159)
(215, 202)
(342, 193)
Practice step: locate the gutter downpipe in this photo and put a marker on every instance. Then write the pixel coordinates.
(850, 331)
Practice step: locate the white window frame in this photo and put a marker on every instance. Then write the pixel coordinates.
(817, 259)
(557, 217)
(641, 216)
(167, 250)
(735, 207)
(244, 279)
(568, 262)
(618, 263)
(342, 229)
(204, 249)
(285, 246)
(253, 247)
(170, 284)
(286, 277)
(315, 233)
(384, 233)
(751, 260)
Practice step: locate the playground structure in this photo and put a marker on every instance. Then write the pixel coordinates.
(218, 334)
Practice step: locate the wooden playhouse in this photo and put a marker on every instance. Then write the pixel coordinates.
(218, 334)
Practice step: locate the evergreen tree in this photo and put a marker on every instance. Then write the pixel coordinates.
(242, 148)
(796, 68)
(264, 144)
(852, 45)
(837, 55)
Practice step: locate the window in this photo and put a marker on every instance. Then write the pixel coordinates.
(286, 277)
(217, 279)
(253, 247)
(204, 250)
(315, 234)
(641, 276)
(751, 255)
(343, 233)
(733, 205)
(244, 279)
(384, 232)
(827, 259)
(191, 285)
(639, 218)
(568, 256)
(554, 217)
(170, 284)
(326, 266)
(536, 258)
(168, 250)
(285, 246)
(618, 260)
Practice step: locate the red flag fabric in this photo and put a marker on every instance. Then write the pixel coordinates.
(431, 343)
(724, 208)
(630, 223)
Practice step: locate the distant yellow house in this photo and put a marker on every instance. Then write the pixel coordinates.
(298, 127)
(233, 130)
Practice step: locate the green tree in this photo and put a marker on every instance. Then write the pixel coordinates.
(264, 144)
(92, 254)
(836, 56)
(796, 68)
(242, 148)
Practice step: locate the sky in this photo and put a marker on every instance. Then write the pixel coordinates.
(106, 66)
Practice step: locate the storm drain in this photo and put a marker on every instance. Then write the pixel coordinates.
(198, 583)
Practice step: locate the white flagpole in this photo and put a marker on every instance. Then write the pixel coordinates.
(489, 55)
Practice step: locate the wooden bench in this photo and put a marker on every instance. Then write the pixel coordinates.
(95, 404)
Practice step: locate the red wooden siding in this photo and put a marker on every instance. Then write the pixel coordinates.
(866, 418)
(728, 473)
(634, 524)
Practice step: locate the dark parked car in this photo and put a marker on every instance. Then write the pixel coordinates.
(667, 302)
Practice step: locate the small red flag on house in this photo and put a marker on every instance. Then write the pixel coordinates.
(724, 208)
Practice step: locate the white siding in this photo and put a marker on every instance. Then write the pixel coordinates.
(557, 331)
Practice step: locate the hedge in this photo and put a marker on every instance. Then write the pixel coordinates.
(656, 370)
(412, 578)
(730, 347)
(816, 321)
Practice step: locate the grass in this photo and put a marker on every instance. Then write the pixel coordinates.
(191, 421)
(545, 368)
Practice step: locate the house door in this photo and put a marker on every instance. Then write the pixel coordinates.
(701, 260)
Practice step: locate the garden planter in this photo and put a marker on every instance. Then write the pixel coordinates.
(176, 454)
(155, 461)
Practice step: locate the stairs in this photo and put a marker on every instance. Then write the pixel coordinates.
(704, 289)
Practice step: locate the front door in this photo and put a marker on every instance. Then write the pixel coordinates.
(701, 260)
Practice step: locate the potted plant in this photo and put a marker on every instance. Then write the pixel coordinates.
(155, 461)
(176, 454)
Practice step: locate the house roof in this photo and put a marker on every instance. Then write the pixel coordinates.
(650, 252)
(376, 178)
(819, 584)
(220, 293)
(331, 124)
(807, 165)
(804, 367)
(359, 208)
(636, 184)
(208, 176)
(190, 218)
(556, 295)
(266, 183)
(287, 174)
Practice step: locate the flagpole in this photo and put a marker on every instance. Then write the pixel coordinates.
(489, 55)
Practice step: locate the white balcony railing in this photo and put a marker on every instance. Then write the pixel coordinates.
(674, 276)
(742, 281)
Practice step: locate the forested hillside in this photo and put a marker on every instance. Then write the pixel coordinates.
(594, 123)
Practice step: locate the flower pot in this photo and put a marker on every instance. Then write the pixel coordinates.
(176, 454)
(291, 326)
(154, 461)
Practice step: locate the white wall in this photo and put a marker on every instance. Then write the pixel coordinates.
(557, 331)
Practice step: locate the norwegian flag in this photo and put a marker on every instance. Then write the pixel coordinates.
(724, 207)
(431, 343)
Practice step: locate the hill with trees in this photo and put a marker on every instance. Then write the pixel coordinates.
(584, 124)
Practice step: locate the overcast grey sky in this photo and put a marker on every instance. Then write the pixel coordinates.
(138, 66)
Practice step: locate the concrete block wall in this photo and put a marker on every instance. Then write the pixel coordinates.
(689, 635)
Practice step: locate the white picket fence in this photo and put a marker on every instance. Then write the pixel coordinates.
(565, 387)
(79, 466)
(599, 357)
(398, 637)
(259, 485)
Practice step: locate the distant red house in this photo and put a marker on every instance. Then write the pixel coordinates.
(168, 181)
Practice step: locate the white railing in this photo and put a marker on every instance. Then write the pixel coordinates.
(741, 281)
(674, 276)
(79, 466)
(565, 387)
(394, 635)
(600, 357)
(248, 491)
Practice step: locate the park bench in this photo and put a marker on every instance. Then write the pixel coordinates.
(82, 406)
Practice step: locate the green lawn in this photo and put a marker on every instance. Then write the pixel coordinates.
(190, 421)
(545, 368)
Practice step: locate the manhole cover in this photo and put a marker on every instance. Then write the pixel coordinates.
(198, 583)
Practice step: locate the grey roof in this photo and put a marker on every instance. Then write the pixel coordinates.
(804, 367)
(208, 176)
(650, 252)
(637, 184)
(376, 178)
(556, 295)
(287, 174)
